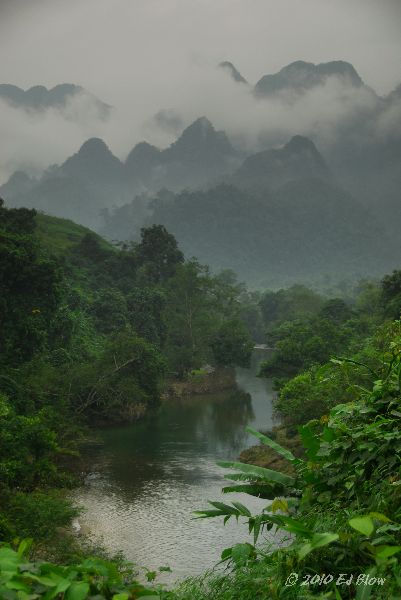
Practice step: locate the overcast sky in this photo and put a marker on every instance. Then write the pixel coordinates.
(142, 56)
(105, 44)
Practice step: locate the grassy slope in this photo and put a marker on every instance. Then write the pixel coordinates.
(58, 235)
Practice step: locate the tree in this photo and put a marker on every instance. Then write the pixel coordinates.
(123, 382)
(109, 308)
(336, 310)
(232, 345)
(189, 317)
(391, 294)
(296, 302)
(30, 287)
(158, 254)
(145, 314)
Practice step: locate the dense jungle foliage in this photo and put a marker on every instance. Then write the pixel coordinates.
(90, 333)
(331, 528)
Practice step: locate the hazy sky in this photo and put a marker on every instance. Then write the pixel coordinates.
(142, 56)
(127, 43)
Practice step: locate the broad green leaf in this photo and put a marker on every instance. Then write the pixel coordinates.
(318, 541)
(364, 525)
(240, 553)
(252, 490)
(123, 596)
(387, 551)
(309, 440)
(78, 590)
(292, 525)
(16, 584)
(272, 444)
(243, 477)
(379, 517)
(265, 474)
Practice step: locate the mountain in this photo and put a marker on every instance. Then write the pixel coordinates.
(200, 155)
(80, 189)
(18, 183)
(301, 232)
(301, 76)
(142, 162)
(232, 71)
(298, 159)
(93, 179)
(282, 218)
(93, 162)
(200, 145)
(40, 98)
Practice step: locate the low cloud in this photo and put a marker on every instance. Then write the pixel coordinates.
(155, 62)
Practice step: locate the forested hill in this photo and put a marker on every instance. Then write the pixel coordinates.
(299, 232)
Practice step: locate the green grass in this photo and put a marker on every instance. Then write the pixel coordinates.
(59, 235)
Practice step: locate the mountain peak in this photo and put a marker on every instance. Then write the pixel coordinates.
(300, 143)
(93, 159)
(202, 125)
(94, 146)
(142, 159)
(232, 71)
(298, 159)
(300, 76)
(39, 97)
(200, 141)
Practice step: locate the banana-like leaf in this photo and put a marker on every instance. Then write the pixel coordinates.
(318, 541)
(260, 491)
(274, 445)
(260, 473)
(244, 477)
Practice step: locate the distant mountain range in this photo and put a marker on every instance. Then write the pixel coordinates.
(301, 76)
(296, 160)
(39, 98)
(94, 179)
(277, 215)
(303, 230)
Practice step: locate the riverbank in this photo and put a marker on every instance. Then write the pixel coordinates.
(201, 382)
(263, 456)
(145, 479)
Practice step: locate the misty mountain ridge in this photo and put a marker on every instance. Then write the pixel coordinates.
(301, 76)
(337, 186)
(296, 233)
(93, 161)
(298, 159)
(38, 97)
(198, 157)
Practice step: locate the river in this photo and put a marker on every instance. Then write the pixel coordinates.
(146, 479)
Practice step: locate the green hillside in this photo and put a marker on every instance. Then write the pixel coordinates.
(60, 235)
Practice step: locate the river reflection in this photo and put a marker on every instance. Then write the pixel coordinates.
(146, 479)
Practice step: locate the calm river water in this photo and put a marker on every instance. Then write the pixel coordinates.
(146, 479)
